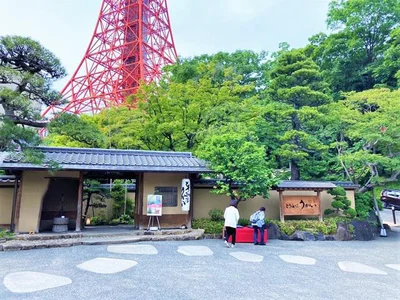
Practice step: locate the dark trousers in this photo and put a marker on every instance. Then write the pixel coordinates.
(256, 230)
(230, 231)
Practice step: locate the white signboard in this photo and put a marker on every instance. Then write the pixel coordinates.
(185, 194)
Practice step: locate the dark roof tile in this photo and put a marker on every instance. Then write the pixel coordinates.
(108, 159)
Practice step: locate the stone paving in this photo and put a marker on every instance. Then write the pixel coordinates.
(29, 282)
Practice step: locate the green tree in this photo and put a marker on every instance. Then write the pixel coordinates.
(175, 113)
(70, 130)
(389, 71)
(122, 204)
(295, 92)
(368, 144)
(234, 154)
(27, 70)
(341, 203)
(349, 56)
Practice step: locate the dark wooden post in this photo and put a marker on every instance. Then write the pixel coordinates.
(78, 223)
(139, 200)
(320, 205)
(15, 193)
(18, 205)
(282, 217)
(190, 214)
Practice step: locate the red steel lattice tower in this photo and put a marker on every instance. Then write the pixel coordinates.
(131, 43)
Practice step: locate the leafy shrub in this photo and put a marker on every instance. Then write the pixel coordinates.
(244, 222)
(216, 214)
(364, 204)
(124, 219)
(6, 234)
(209, 226)
(327, 226)
(99, 220)
(340, 203)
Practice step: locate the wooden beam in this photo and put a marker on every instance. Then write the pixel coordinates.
(12, 223)
(282, 217)
(139, 200)
(78, 223)
(17, 210)
(190, 215)
(320, 205)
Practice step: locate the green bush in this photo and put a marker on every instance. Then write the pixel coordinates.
(6, 234)
(99, 220)
(244, 222)
(327, 226)
(209, 226)
(364, 204)
(216, 214)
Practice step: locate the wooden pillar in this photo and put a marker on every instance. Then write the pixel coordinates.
(320, 205)
(15, 193)
(139, 200)
(17, 210)
(190, 214)
(78, 223)
(282, 217)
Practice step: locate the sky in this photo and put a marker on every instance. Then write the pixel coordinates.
(199, 26)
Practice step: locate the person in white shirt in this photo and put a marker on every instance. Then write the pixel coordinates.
(231, 217)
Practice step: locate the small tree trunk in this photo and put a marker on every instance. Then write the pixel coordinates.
(294, 170)
(87, 204)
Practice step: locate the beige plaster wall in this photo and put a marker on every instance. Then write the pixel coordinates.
(204, 201)
(34, 186)
(6, 199)
(151, 180)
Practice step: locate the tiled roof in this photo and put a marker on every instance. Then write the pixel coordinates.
(7, 178)
(289, 184)
(346, 184)
(299, 184)
(108, 160)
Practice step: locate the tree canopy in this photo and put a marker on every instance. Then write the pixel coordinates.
(27, 70)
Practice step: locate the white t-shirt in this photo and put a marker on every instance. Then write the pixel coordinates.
(231, 216)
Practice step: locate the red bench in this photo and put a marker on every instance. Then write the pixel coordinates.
(245, 235)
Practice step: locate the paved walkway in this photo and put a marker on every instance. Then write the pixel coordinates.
(182, 270)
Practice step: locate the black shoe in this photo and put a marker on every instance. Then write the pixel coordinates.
(262, 244)
(256, 243)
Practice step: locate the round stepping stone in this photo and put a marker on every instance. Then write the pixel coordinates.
(28, 282)
(300, 260)
(354, 267)
(103, 265)
(394, 266)
(195, 250)
(133, 249)
(246, 256)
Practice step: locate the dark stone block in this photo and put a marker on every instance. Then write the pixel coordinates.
(363, 231)
(273, 231)
(302, 236)
(284, 237)
(329, 237)
(342, 232)
(320, 237)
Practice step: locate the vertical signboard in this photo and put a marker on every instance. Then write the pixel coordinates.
(185, 194)
(154, 205)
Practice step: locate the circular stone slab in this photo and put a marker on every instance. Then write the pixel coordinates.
(300, 260)
(246, 256)
(103, 265)
(394, 266)
(133, 249)
(27, 282)
(354, 267)
(195, 250)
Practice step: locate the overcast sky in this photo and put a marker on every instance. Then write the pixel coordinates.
(199, 26)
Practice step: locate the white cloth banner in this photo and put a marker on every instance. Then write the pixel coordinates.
(185, 194)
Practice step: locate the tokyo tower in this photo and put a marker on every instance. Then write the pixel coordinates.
(131, 43)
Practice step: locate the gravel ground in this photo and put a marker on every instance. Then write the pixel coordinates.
(172, 275)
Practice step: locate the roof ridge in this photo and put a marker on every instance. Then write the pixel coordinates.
(109, 151)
